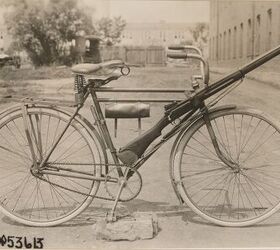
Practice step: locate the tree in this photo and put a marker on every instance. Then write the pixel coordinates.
(200, 33)
(110, 30)
(42, 28)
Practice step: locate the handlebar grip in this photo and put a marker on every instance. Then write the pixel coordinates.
(177, 55)
(176, 47)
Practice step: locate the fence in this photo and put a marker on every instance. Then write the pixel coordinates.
(138, 55)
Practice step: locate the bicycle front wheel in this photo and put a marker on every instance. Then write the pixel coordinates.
(56, 196)
(239, 196)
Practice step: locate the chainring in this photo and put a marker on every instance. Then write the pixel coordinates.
(132, 183)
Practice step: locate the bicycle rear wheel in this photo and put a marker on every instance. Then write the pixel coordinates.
(40, 199)
(241, 196)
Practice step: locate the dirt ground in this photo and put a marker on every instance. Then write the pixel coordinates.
(179, 226)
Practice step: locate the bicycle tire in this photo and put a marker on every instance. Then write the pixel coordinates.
(224, 196)
(42, 201)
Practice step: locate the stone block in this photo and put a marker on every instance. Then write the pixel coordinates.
(135, 227)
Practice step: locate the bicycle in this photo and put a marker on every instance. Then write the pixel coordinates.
(223, 163)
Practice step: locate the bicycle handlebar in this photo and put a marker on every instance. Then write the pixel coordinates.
(204, 66)
(185, 47)
(177, 55)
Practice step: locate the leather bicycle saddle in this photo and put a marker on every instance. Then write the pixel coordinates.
(101, 71)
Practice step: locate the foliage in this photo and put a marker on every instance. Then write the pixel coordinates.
(43, 28)
(200, 33)
(109, 30)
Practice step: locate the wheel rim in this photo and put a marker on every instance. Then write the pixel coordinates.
(34, 200)
(243, 195)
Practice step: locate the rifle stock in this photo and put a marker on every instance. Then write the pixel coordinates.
(134, 150)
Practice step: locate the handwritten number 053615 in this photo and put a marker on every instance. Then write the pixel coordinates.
(21, 242)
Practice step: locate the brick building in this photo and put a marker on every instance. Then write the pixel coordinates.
(242, 30)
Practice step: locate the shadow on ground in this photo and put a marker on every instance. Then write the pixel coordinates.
(161, 209)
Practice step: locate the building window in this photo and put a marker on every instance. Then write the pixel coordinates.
(229, 44)
(217, 48)
(224, 45)
(269, 30)
(211, 42)
(213, 48)
(210, 48)
(249, 39)
(220, 48)
(258, 35)
(241, 41)
(234, 42)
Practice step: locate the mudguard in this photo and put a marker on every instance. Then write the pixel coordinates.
(177, 140)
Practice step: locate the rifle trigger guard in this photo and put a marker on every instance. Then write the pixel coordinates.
(169, 117)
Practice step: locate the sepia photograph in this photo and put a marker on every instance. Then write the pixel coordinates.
(139, 124)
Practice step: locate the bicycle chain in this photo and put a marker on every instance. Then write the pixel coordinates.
(75, 191)
(78, 192)
(85, 194)
(99, 164)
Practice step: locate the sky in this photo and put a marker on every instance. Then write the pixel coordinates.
(155, 10)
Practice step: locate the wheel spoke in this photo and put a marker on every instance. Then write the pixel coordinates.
(31, 196)
(241, 195)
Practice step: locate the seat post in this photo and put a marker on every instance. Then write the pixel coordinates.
(103, 126)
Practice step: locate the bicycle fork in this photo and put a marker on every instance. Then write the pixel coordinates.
(214, 140)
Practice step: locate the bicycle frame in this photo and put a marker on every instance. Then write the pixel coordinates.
(55, 161)
(187, 111)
